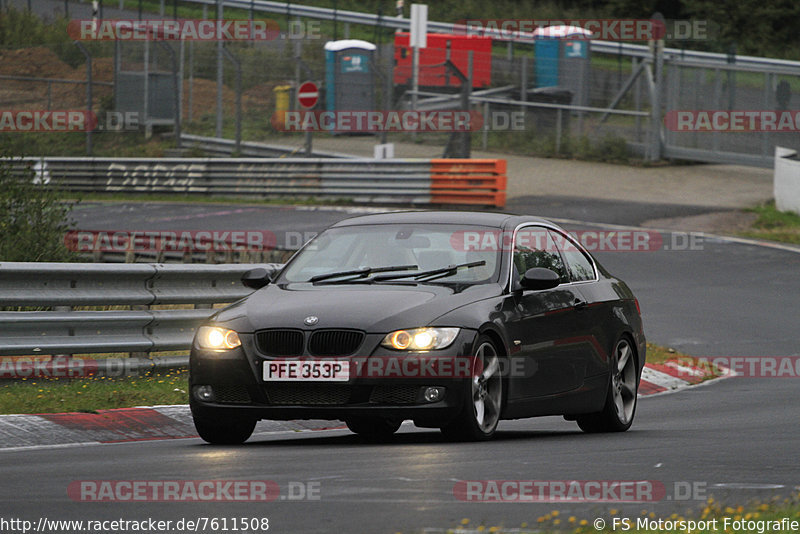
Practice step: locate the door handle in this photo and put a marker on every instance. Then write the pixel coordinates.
(579, 304)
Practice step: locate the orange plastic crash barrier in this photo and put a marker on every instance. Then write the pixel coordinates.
(469, 181)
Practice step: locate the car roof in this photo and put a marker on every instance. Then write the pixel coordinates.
(479, 218)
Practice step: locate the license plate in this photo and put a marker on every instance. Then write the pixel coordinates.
(312, 371)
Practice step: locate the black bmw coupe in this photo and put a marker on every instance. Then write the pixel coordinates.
(454, 320)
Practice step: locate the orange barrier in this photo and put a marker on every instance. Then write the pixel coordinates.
(469, 181)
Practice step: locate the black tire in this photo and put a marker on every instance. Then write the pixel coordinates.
(483, 397)
(225, 432)
(620, 405)
(374, 429)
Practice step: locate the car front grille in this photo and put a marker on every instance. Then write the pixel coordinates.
(280, 342)
(309, 394)
(335, 342)
(234, 394)
(394, 394)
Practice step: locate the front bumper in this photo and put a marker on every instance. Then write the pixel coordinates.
(386, 383)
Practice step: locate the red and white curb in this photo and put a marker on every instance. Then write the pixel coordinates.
(120, 425)
(673, 375)
(174, 422)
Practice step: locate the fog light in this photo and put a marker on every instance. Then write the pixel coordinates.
(204, 393)
(434, 394)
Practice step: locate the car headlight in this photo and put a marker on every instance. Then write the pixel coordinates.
(420, 339)
(216, 338)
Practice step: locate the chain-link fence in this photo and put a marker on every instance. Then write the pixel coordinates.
(543, 97)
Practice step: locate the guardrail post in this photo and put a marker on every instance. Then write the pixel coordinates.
(140, 354)
(63, 309)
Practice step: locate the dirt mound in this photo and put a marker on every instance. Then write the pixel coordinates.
(42, 62)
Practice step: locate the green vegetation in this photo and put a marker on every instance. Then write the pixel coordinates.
(33, 219)
(180, 199)
(609, 149)
(753, 27)
(52, 394)
(57, 395)
(659, 354)
(108, 144)
(21, 29)
(730, 519)
(775, 225)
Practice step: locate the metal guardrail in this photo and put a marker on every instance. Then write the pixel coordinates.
(226, 147)
(63, 286)
(51, 80)
(407, 181)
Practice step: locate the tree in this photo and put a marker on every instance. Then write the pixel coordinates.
(33, 219)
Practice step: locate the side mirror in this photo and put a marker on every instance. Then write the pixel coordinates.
(257, 278)
(539, 278)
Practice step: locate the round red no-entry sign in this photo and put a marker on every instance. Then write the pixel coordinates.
(308, 95)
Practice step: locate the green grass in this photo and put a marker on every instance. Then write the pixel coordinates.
(556, 522)
(609, 149)
(105, 144)
(178, 198)
(659, 354)
(774, 225)
(55, 395)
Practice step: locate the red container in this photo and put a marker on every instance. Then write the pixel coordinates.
(432, 72)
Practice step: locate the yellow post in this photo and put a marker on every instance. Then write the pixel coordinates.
(282, 93)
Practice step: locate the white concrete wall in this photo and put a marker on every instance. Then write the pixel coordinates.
(787, 180)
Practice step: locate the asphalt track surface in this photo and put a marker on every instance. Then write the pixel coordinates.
(735, 439)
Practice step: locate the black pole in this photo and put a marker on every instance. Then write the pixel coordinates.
(89, 127)
(335, 21)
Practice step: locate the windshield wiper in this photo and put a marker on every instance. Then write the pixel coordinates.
(433, 274)
(362, 272)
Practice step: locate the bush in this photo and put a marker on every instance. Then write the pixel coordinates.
(33, 219)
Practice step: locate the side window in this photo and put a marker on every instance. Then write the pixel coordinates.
(578, 264)
(534, 247)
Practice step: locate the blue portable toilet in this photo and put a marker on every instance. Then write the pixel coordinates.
(349, 81)
(562, 59)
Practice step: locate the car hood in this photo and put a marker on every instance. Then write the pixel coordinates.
(372, 308)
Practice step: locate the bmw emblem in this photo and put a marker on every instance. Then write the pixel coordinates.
(311, 320)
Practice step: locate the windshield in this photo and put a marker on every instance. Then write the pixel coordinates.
(408, 249)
